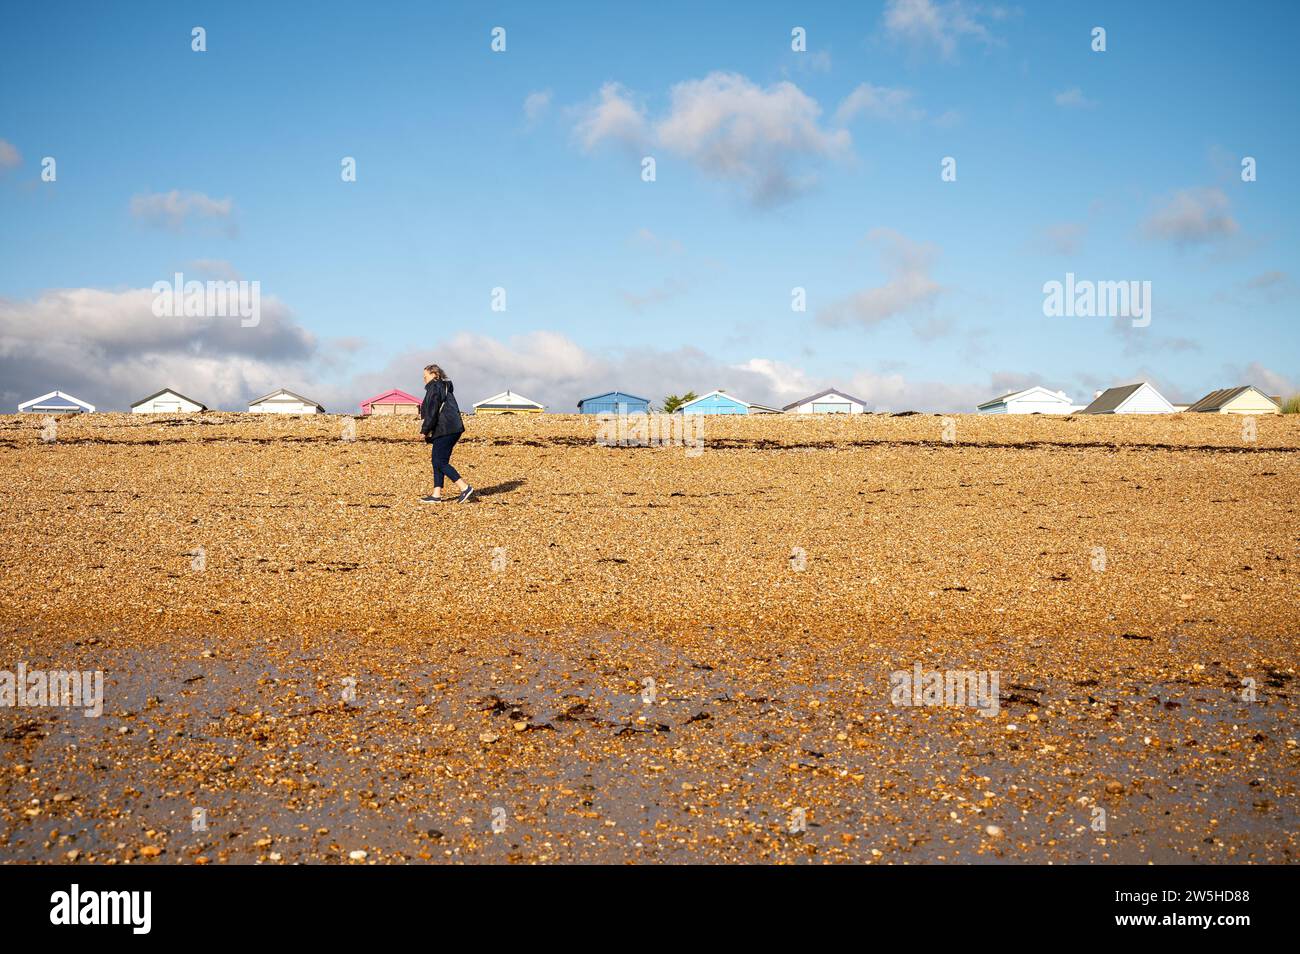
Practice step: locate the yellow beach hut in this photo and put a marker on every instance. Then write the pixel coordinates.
(507, 402)
(1247, 399)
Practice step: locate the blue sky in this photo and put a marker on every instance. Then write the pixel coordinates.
(522, 170)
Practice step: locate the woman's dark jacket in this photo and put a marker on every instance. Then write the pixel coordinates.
(439, 413)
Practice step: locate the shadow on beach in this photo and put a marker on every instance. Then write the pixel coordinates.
(503, 488)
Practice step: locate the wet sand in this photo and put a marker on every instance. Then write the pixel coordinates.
(633, 654)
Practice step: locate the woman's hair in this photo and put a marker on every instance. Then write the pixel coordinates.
(437, 372)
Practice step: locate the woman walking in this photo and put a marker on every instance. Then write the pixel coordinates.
(441, 426)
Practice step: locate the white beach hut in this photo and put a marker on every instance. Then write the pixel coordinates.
(56, 402)
(167, 401)
(830, 401)
(1140, 398)
(1034, 400)
(284, 401)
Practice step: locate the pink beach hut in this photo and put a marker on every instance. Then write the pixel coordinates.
(391, 402)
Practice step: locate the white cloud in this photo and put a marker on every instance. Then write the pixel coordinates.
(666, 290)
(213, 268)
(878, 102)
(1065, 238)
(909, 290)
(528, 363)
(175, 209)
(1073, 98)
(644, 238)
(928, 23)
(537, 104)
(684, 272)
(551, 368)
(109, 348)
(1007, 382)
(10, 157)
(733, 129)
(1141, 342)
(892, 391)
(728, 127)
(1192, 217)
(819, 60)
(613, 117)
(1268, 280)
(784, 382)
(1269, 288)
(1272, 383)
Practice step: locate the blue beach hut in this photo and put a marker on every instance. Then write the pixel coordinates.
(715, 402)
(614, 402)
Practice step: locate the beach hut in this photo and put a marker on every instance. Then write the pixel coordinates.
(507, 402)
(284, 401)
(830, 401)
(715, 402)
(1140, 398)
(614, 402)
(56, 402)
(167, 401)
(1035, 400)
(391, 402)
(1246, 399)
(763, 409)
